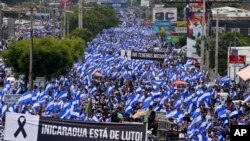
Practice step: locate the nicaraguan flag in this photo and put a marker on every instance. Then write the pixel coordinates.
(36, 106)
(233, 114)
(155, 94)
(128, 109)
(26, 98)
(247, 98)
(201, 137)
(49, 105)
(224, 79)
(62, 95)
(95, 118)
(177, 102)
(203, 97)
(4, 109)
(65, 113)
(222, 114)
(109, 90)
(197, 121)
(135, 100)
(196, 113)
(203, 126)
(147, 102)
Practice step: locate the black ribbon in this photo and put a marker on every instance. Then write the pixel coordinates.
(21, 127)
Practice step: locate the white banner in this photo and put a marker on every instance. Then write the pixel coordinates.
(21, 127)
(126, 54)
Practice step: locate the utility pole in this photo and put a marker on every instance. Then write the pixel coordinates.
(217, 43)
(67, 26)
(54, 23)
(236, 56)
(80, 25)
(208, 47)
(203, 36)
(1, 22)
(64, 19)
(31, 49)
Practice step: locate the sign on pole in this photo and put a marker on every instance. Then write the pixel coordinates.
(21, 127)
(237, 59)
(40, 81)
(11, 98)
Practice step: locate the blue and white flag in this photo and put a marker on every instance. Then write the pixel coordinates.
(233, 114)
(178, 102)
(109, 90)
(247, 99)
(128, 110)
(62, 95)
(201, 137)
(26, 98)
(147, 102)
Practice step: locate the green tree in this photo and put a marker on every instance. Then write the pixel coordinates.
(51, 56)
(95, 19)
(225, 40)
(84, 34)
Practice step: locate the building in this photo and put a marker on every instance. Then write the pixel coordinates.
(231, 19)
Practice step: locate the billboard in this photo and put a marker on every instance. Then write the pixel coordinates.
(161, 13)
(194, 31)
(65, 3)
(162, 26)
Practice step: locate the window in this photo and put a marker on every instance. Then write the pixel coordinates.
(248, 31)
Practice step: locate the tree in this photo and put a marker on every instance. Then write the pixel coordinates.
(225, 40)
(84, 34)
(95, 19)
(51, 56)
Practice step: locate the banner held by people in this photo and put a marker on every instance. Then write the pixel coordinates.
(20, 127)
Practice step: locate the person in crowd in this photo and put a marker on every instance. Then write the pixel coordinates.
(116, 116)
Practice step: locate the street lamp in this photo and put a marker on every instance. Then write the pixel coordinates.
(67, 22)
(80, 14)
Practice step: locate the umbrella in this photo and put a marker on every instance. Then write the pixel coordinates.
(139, 114)
(179, 83)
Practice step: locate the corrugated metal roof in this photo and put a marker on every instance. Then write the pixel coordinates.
(244, 73)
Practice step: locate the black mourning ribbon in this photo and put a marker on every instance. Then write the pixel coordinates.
(21, 127)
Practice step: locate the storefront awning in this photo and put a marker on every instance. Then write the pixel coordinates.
(244, 73)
